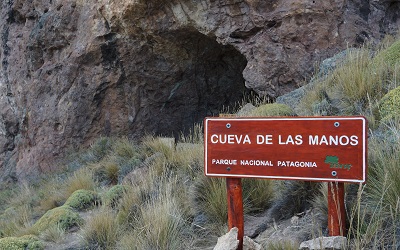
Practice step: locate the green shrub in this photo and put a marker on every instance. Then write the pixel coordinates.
(274, 109)
(64, 216)
(389, 105)
(82, 199)
(390, 55)
(27, 242)
(113, 196)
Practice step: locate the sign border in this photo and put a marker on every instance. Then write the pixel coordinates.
(316, 118)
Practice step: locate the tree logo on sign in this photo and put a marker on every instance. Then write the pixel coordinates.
(333, 162)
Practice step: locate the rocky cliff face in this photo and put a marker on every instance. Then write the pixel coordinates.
(73, 70)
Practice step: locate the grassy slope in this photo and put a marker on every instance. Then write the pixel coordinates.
(165, 202)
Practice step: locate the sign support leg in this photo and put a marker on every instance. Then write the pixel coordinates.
(336, 209)
(235, 207)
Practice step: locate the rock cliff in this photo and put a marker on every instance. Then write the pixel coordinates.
(73, 70)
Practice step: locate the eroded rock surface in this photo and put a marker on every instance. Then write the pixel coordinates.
(73, 70)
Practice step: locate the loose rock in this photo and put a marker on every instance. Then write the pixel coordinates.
(328, 243)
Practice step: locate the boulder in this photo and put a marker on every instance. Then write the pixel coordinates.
(324, 243)
(228, 241)
(249, 244)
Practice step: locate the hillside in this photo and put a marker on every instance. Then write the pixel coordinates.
(151, 193)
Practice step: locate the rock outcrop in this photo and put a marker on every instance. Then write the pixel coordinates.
(73, 70)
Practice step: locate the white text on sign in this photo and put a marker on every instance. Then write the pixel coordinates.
(317, 140)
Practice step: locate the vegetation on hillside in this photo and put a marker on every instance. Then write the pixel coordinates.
(152, 194)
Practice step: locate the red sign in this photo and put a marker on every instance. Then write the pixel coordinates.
(290, 148)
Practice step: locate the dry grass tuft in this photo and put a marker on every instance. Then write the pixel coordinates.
(54, 234)
(80, 179)
(101, 231)
(375, 217)
(258, 194)
(209, 198)
(160, 224)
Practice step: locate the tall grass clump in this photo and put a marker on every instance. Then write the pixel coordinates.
(292, 197)
(133, 197)
(185, 159)
(19, 215)
(25, 194)
(7, 192)
(161, 225)
(16, 221)
(106, 171)
(209, 198)
(156, 219)
(258, 194)
(54, 233)
(80, 179)
(51, 195)
(357, 79)
(96, 152)
(375, 219)
(194, 136)
(101, 231)
(384, 173)
(320, 204)
(127, 155)
(122, 157)
(99, 149)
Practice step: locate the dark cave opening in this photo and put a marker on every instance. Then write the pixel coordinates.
(204, 79)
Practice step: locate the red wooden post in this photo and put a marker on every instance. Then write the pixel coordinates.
(235, 207)
(336, 209)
